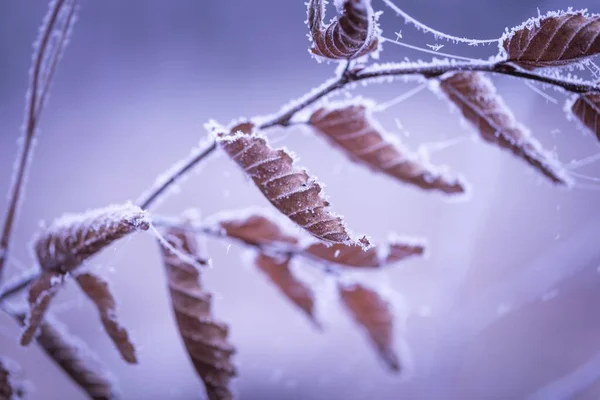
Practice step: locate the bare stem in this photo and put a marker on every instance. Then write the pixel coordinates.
(435, 70)
(281, 248)
(17, 285)
(33, 110)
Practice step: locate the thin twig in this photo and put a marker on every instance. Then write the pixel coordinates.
(30, 130)
(374, 72)
(17, 285)
(432, 70)
(149, 198)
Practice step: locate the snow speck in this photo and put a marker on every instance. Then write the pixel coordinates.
(435, 47)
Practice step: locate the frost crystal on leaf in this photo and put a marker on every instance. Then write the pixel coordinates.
(352, 34)
(555, 39)
(292, 191)
(352, 128)
(77, 361)
(476, 97)
(73, 238)
(205, 338)
(587, 109)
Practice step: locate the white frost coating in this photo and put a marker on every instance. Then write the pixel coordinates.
(224, 135)
(182, 256)
(535, 23)
(129, 212)
(436, 52)
(395, 238)
(421, 158)
(46, 62)
(83, 351)
(213, 222)
(550, 159)
(437, 34)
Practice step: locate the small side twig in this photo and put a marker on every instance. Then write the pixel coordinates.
(17, 285)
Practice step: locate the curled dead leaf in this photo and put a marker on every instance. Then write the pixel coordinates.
(476, 97)
(352, 34)
(352, 128)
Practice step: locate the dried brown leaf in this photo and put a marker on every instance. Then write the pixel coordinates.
(259, 229)
(204, 337)
(352, 128)
(374, 257)
(290, 190)
(41, 292)
(476, 97)
(9, 389)
(553, 40)
(374, 314)
(587, 109)
(255, 229)
(352, 34)
(73, 238)
(98, 291)
(77, 361)
(279, 272)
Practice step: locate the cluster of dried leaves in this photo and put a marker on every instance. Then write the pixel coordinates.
(63, 248)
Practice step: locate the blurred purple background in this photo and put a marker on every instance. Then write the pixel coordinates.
(505, 307)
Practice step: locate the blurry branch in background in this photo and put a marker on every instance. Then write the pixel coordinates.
(50, 44)
(572, 384)
(351, 39)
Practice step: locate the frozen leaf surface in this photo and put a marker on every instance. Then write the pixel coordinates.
(77, 361)
(351, 34)
(292, 191)
(476, 97)
(352, 128)
(587, 109)
(374, 257)
(205, 339)
(73, 238)
(554, 39)
(255, 229)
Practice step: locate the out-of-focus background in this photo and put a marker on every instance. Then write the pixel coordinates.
(505, 306)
